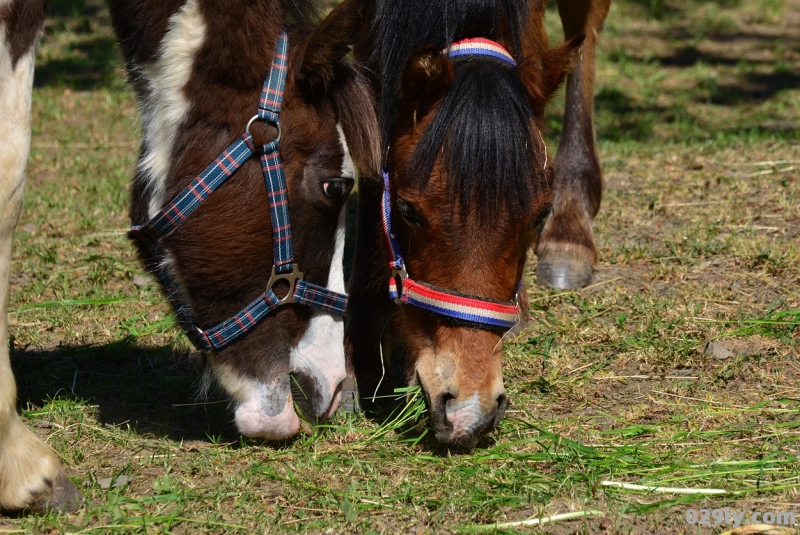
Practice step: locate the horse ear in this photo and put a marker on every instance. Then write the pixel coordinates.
(426, 78)
(542, 75)
(330, 42)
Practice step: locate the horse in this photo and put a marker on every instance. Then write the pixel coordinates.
(467, 190)
(224, 160)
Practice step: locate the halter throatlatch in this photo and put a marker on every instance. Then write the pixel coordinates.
(284, 269)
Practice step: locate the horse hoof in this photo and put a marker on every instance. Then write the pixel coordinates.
(563, 273)
(62, 497)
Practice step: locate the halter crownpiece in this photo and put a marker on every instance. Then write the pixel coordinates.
(284, 268)
(479, 47)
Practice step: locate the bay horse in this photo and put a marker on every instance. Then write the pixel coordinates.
(467, 190)
(227, 258)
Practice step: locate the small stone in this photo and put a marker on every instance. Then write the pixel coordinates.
(717, 350)
(113, 482)
(140, 281)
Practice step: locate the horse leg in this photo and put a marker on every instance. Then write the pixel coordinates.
(368, 301)
(31, 476)
(566, 248)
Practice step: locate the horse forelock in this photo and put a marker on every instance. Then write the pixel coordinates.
(483, 136)
(401, 26)
(355, 111)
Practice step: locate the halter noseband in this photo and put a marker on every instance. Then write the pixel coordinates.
(284, 268)
(480, 312)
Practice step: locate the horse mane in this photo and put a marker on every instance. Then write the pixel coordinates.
(483, 128)
(351, 98)
(483, 131)
(304, 14)
(401, 26)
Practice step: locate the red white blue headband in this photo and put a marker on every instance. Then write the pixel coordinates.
(479, 47)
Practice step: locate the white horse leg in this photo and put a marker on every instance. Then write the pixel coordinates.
(31, 476)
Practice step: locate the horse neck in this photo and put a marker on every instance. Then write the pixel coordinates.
(239, 43)
(238, 35)
(190, 61)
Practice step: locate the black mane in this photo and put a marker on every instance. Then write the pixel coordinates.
(484, 126)
(484, 131)
(400, 26)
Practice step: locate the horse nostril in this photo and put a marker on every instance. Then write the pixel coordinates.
(440, 410)
(502, 404)
(443, 399)
(502, 401)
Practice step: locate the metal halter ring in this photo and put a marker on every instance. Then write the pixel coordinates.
(385, 159)
(276, 124)
(291, 278)
(399, 275)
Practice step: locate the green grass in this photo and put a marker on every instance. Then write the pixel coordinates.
(698, 110)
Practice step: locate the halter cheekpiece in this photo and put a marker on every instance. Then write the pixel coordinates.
(477, 311)
(284, 268)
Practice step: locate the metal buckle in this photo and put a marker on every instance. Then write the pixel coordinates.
(291, 278)
(399, 275)
(385, 159)
(276, 124)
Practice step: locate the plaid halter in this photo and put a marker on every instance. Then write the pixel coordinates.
(284, 269)
(484, 313)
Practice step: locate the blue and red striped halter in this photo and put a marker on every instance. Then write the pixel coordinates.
(284, 268)
(480, 312)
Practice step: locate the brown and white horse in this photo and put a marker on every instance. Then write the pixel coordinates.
(197, 68)
(470, 191)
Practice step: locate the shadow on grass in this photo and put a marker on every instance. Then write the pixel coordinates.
(755, 87)
(67, 10)
(155, 391)
(751, 86)
(89, 57)
(91, 64)
(751, 62)
(622, 115)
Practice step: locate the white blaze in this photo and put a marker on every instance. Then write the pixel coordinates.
(320, 352)
(266, 409)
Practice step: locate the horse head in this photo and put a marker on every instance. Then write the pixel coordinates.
(469, 189)
(198, 91)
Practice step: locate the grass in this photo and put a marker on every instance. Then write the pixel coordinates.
(697, 122)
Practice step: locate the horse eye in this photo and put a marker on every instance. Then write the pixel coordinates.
(408, 213)
(337, 189)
